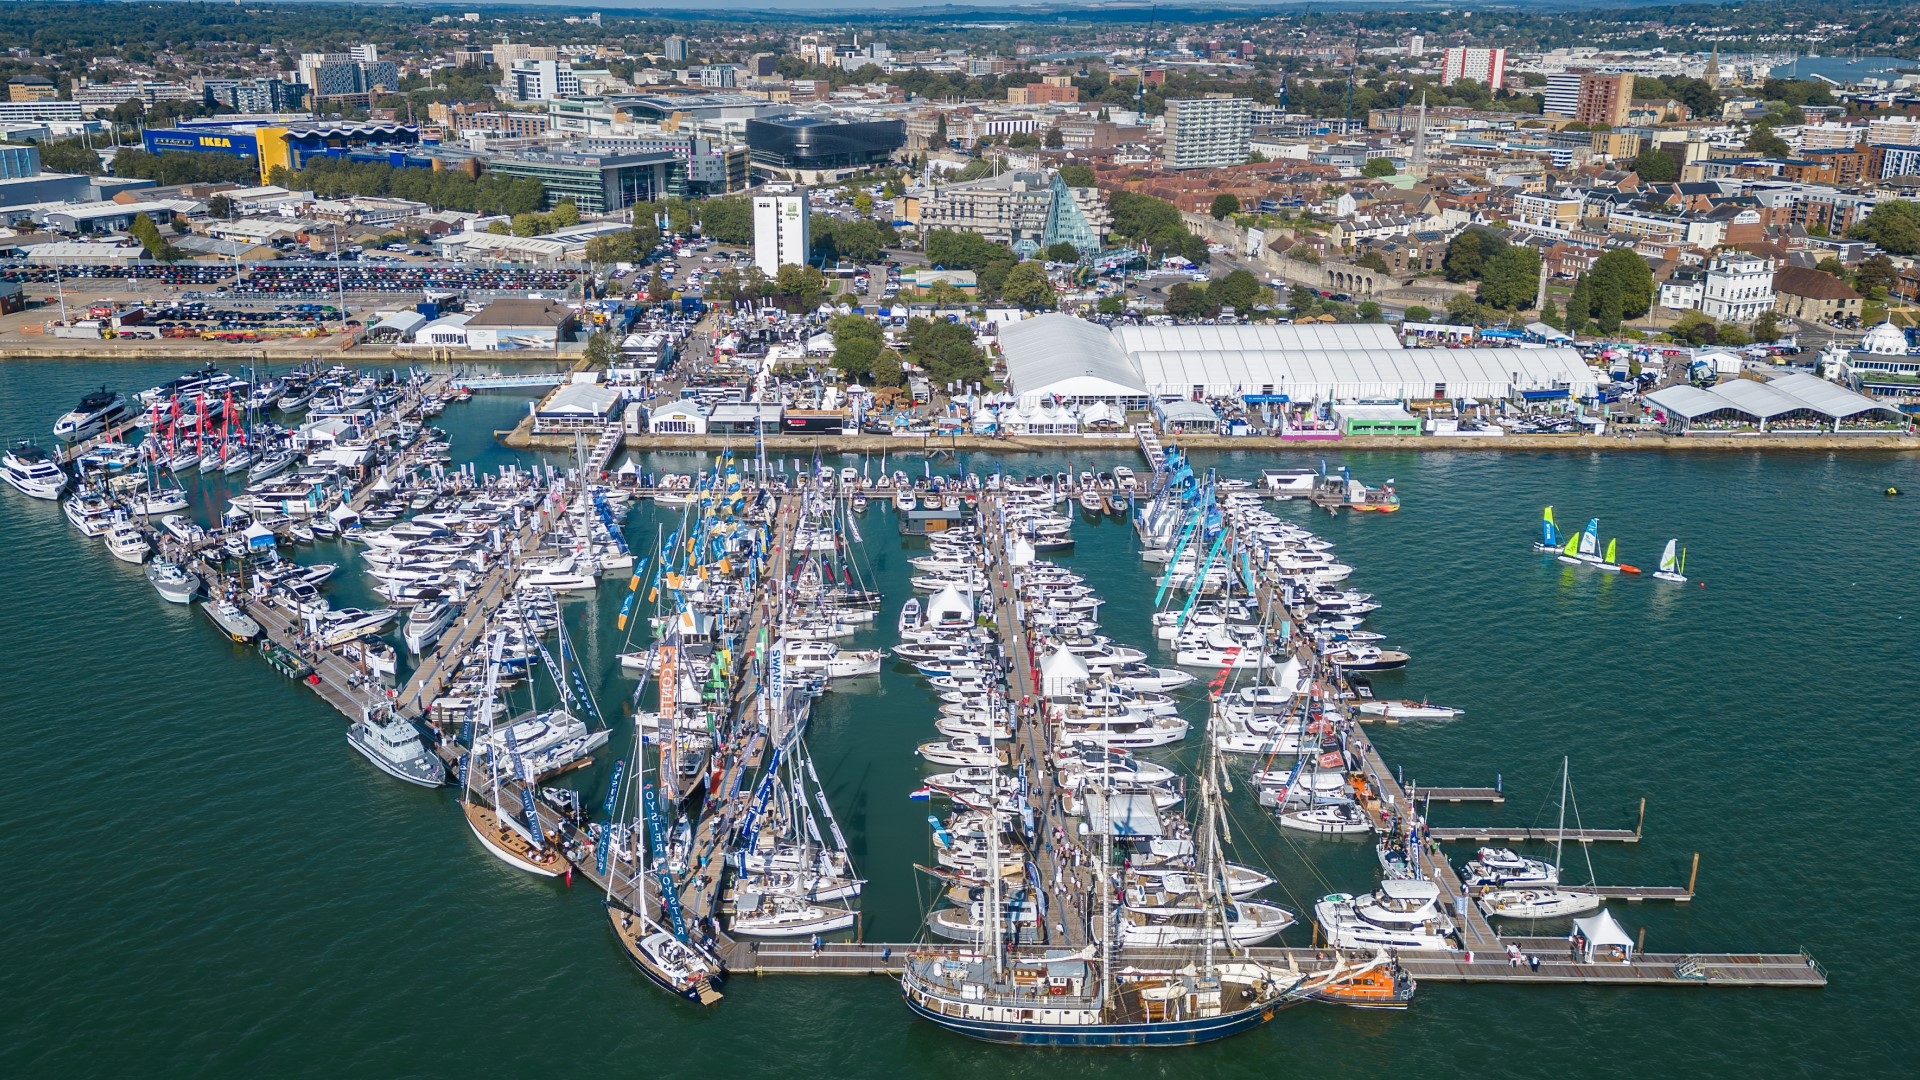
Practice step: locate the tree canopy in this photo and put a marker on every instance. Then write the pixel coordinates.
(1894, 225)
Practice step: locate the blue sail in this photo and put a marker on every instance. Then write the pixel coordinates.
(1549, 535)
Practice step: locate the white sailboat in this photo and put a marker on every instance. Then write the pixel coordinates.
(1544, 901)
(1672, 568)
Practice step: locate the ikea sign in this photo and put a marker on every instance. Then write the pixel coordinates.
(201, 141)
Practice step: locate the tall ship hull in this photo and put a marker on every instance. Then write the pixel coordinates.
(1155, 1033)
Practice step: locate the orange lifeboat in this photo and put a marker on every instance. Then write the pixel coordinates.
(1385, 987)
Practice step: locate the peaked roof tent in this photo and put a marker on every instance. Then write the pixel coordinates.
(1059, 354)
(949, 604)
(1601, 930)
(1691, 402)
(1759, 399)
(1829, 399)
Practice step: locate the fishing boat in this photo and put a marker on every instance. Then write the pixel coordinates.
(1549, 541)
(1672, 568)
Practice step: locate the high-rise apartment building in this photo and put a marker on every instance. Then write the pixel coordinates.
(676, 49)
(1209, 132)
(1487, 66)
(1605, 99)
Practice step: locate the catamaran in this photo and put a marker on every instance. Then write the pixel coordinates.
(1671, 568)
(1610, 563)
(1549, 541)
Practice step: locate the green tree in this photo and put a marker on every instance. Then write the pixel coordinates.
(1418, 313)
(70, 156)
(1027, 286)
(862, 203)
(1300, 300)
(156, 246)
(1378, 167)
(1762, 141)
(1766, 327)
(729, 221)
(1368, 311)
(1733, 336)
(946, 350)
(1239, 290)
(1372, 260)
(1894, 225)
(1511, 278)
(1550, 314)
(610, 248)
(1224, 205)
(800, 286)
(1832, 265)
(1657, 166)
(857, 344)
(1185, 302)
(1062, 252)
(1467, 253)
(1077, 175)
(1113, 305)
(1055, 140)
(1464, 310)
(220, 207)
(601, 350)
(1875, 277)
(1623, 275)
(1579, 307)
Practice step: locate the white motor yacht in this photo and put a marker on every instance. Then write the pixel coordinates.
(127, 543)
(345, 624)
(1400, 914)
(1508, 869)
(32, 471)
(89, 511)
(560, 575)
(96, 412)
(426, 622)
(1539, 903)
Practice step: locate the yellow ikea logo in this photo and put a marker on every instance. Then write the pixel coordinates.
(210, 140)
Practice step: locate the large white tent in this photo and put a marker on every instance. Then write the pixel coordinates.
(1059, 355)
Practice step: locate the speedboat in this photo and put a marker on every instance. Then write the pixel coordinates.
(394, 747)
(33, 471)
(173, 582)
(1400, 914)
(1406, 710)
(96, 412)
(127, 543)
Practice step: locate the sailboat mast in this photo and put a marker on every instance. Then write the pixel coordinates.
(992, 914)
(1560, 835)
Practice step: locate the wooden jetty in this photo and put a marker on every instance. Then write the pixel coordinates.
(1520, 834)
(1486, 966)
(1456, 794)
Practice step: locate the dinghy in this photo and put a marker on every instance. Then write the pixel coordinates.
(1672, 568)
(1549, 541)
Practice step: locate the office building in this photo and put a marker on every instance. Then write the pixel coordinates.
(809, 149)
(676, 49)
(1208, 133)
(40, 112)
(32, 88)
(597, 183)
(1605, 99)
(1486, 66)
(780, 233)
(715, 76)
(19, 162)
(542, 80)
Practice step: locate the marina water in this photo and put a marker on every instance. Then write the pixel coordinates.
(205, 880)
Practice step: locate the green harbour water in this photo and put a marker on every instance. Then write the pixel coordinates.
(205, 881)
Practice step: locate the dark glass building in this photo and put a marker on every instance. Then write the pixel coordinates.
(810, 144)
